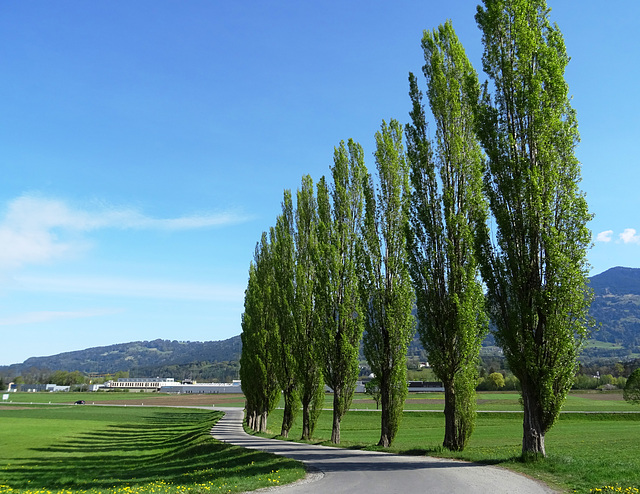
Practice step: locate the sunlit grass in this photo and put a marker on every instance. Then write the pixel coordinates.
(585, 450)
(117, 450)
(132, 398)
(594, 452)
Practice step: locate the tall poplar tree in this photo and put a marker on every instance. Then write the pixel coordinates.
(535, 269)
(283, 266)
(309, 374)
(257, 361)
(252, 368)
(340, 322)
(387, 295)
(447, 208)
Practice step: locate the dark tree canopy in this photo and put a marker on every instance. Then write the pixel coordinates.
(259, 345)
(632, 388)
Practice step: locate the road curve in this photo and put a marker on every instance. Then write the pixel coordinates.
(370, 472)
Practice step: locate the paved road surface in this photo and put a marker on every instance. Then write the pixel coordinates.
(336, 470)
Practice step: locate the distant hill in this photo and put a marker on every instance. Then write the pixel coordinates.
(616, 306)
(136, 355)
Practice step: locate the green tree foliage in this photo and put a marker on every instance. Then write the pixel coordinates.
(283, 266)
(631, 391)
(387, 296)
(340, 324)
(496, 380)
(64, 378)
(535, 268)
(309, 374)
(447, 209)
(257, 359)
(200, 370)
(372, 388)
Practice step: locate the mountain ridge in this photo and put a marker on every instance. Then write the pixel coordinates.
(132, 355)
(615, 308)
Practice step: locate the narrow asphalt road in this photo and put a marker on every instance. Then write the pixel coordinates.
(336, 470)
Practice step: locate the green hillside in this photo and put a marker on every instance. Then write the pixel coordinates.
(616, 307)
(616, 310)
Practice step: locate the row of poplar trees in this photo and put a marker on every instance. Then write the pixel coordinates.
(484, 222)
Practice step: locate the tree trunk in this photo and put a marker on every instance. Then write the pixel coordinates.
(289, 413)
(452, 440)
(335, 430)
(532, 425)
(306, 420)
(385, 398)
(262, 422)
(251, 420)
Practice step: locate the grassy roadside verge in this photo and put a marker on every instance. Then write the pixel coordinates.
(586, 451)
(118, 450)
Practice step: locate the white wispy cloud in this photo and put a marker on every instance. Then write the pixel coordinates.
(604, 236)
(123, 287)
(48, 316)
(629, 236)
(36, 230)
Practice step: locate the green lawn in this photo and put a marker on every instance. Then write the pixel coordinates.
(128, 450)
(585, 450)
(109, 450)
(584, 401)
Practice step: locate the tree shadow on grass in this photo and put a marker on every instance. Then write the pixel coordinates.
(441, 452)
(174, 447)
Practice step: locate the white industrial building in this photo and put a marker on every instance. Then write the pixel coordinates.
(169, 385)
(202, 388)
(139, 383)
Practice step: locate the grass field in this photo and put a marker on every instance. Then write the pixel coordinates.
(586, 451)
(152, 399)
(68, 444)
(508, 401)
(118, 450)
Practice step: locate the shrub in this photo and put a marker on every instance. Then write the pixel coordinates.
(632, 388)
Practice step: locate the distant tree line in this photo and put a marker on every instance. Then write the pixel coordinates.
(59, 377)
(201, 371)
(483, 222)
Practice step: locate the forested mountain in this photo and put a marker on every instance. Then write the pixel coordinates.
(616, 306)
(137, 357)
(616, 309)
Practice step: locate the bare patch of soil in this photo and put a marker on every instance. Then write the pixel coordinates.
(411, 401)
(193, 400)
(600, 396)
(427, 401)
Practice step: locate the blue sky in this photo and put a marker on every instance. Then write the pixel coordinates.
(145, 146)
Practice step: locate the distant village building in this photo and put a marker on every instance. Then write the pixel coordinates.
(38, 388)
(425, 387)
(413, 386)
(169, 385)
(139, 383)
(190, 387)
